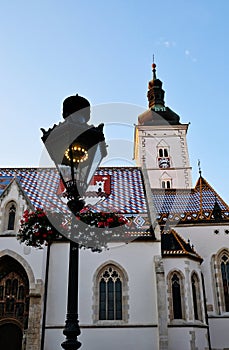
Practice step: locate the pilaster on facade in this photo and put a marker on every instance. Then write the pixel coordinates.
(162, 305)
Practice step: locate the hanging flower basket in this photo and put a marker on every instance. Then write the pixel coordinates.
(91, 229)
(36, 230)
(101, 219)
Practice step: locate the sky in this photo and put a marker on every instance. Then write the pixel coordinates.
(103, 50)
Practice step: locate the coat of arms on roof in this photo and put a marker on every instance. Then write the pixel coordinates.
(98, 190)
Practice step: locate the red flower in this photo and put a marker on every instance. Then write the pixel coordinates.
(122, 220)
(110, 220)
(100, 224)
(26, 213)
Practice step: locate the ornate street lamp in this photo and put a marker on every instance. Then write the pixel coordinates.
(77, 150)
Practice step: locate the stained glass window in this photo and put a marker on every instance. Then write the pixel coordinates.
(11, 217)
(196, 296)
(110, 294)
(225, 279)
(176, 296)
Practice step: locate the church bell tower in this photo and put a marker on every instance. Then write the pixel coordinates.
(160, 142)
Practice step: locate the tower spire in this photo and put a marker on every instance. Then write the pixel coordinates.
(199, 166)
(154, 69)
(155, 93)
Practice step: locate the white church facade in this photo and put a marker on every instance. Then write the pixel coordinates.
(166, 288)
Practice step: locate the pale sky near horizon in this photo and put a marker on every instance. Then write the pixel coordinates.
(103, 51)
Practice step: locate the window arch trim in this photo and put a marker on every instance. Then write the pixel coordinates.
(172, 313)
(10, 214)
(196, 296)
(221, 304)
(96, 280)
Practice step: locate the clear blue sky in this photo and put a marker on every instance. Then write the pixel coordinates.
(103, 50)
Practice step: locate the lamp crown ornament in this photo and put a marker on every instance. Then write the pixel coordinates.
(76, 103)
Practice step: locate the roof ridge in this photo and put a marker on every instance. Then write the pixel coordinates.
(206, 183)
(181, 241)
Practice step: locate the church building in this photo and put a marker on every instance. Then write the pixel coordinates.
(166, 287)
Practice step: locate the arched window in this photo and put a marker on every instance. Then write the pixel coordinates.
(196, 297)
(163, 152)
(176, 293)
(11, 217)
(110, 295)
(225, 279)
(166, 184)
(220, 263)
(14, 291)
(111, 292)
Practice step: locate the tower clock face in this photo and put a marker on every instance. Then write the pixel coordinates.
(164, 163)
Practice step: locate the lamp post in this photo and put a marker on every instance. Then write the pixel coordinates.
(77, 150)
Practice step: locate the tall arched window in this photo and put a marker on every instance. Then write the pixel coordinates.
(225, 279)
(110, 294)
(176, 298)
(196, 297)
(11, 217)
(176, 295)
(220, 264)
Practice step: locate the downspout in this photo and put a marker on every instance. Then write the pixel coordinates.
(45, 297)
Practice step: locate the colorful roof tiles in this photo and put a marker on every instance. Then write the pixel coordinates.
(126, 195)
(197, 204)
(41, 187)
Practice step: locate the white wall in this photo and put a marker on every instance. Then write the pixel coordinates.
(206, 243)
(137, 260)
(187, 338)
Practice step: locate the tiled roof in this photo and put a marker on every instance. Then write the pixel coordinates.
(189, 205)
(41, 186)
(126, 192)
(172, 244)
(126, 195)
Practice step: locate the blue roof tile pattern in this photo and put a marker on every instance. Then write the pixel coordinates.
(41, 187)
(198, 202)
(126, 195)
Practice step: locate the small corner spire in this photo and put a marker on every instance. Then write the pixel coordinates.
(199, 166)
